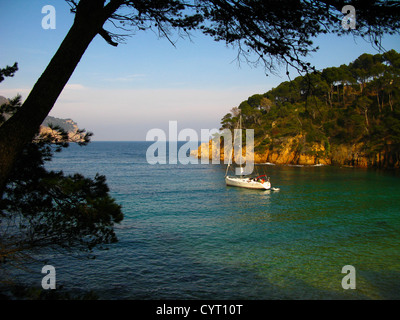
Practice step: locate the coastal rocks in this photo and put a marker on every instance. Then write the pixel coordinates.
(68, 125)
(286, 154)
(213, 150)
(286, 157)
(209, 150)
(73, 136)
(350, 155)
(291, 152)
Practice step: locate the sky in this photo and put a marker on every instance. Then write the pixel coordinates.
(121, 93)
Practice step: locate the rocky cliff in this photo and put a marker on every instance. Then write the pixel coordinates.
(48, 125)
(290, 153)
(67, 125)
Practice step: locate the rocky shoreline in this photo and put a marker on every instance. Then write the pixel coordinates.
(289, 153)
(71, 127)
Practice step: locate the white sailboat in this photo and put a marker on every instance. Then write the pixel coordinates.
(260, 182)
(249, 183)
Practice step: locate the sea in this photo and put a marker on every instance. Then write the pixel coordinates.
(329, 232)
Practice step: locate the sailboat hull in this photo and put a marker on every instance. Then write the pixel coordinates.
(247, 183)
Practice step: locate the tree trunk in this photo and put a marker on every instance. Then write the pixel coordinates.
(366, 118)
(390, 102)
(23, 125)
(379, 104)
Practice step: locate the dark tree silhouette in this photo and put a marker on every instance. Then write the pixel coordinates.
(43, 208)
(273, 30)
(8, 71)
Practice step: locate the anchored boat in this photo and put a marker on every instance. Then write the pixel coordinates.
(260, 182)
(245, 181)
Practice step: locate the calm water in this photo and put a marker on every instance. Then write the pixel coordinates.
(188, 236)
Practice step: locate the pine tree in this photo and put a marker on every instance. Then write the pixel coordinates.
(43, 208)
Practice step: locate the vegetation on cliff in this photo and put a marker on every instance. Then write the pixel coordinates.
(342, 115)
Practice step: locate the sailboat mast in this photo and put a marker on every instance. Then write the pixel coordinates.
(238, 126)
(240, 144)
(229, 163)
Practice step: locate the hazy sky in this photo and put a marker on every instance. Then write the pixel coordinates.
(121, 93)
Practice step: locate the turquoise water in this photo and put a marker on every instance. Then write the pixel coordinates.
(186, 235)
